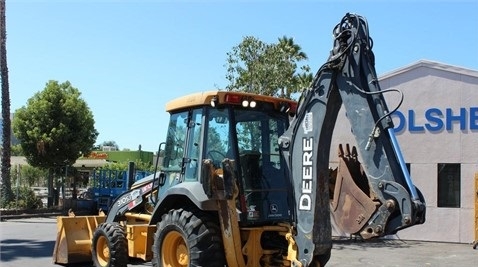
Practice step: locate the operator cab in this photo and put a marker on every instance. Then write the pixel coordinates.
(237, 126)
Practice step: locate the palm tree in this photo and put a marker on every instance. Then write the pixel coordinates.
(6, 186)
(293, 49)
(304, 80)
(294, 54)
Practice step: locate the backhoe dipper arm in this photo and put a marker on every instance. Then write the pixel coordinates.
(348, 78)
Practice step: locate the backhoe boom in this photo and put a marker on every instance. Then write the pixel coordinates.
(348, 78)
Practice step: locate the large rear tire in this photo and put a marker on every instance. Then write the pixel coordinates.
(185, 239)
(109, 246)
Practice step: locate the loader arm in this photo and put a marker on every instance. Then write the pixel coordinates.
(131, 198)
(348, 78)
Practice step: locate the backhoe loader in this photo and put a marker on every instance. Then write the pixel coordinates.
(245, 179)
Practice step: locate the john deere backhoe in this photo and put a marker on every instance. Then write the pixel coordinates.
(245, 178)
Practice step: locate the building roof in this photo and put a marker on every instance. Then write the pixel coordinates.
(89, 163)
(432, 65)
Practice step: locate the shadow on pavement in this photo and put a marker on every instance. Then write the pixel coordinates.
(132, 262)
(12, 249)
(360, 244)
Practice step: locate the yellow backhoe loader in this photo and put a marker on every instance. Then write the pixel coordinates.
(245, 179)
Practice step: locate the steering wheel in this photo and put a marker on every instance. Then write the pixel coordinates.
(216, 157)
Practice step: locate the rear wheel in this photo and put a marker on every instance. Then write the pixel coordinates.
(109, 246)
(185, 238)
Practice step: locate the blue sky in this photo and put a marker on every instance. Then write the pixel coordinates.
(128, 58)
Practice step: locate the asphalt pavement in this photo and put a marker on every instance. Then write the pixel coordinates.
(30, 242)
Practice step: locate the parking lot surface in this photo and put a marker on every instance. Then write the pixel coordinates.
(30, 242)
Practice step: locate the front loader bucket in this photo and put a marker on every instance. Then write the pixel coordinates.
(73, 239)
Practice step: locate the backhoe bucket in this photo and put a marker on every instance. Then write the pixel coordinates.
(73, 239)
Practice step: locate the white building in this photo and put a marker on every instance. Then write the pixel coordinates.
(437, 128)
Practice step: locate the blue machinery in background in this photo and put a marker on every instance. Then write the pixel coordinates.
(109, 184)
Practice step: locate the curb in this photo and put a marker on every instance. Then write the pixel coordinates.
(24, 216)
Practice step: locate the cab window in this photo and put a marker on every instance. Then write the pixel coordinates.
(218, 136)
(174, 150)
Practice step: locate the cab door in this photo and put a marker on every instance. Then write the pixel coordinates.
(192, 160)
(182, 150)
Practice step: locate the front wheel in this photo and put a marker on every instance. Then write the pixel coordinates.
(109, 246)
(185, 238)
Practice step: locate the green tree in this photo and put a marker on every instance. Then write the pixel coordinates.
(55, 128)
(26, 175)
(6, 185)
(269, 69)
(32, 175)
(110, 143)
(16, 150)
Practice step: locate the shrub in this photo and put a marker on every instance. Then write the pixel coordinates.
(26, 199)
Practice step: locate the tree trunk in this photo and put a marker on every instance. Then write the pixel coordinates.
(51, 192)
(6, 185)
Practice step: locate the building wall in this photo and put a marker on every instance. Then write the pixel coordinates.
(428, 138)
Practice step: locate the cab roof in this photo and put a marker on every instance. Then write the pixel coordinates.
(226, 98)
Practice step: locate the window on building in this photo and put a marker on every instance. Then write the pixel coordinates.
(449, 185)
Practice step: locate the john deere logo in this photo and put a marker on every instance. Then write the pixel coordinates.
(274, 208)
